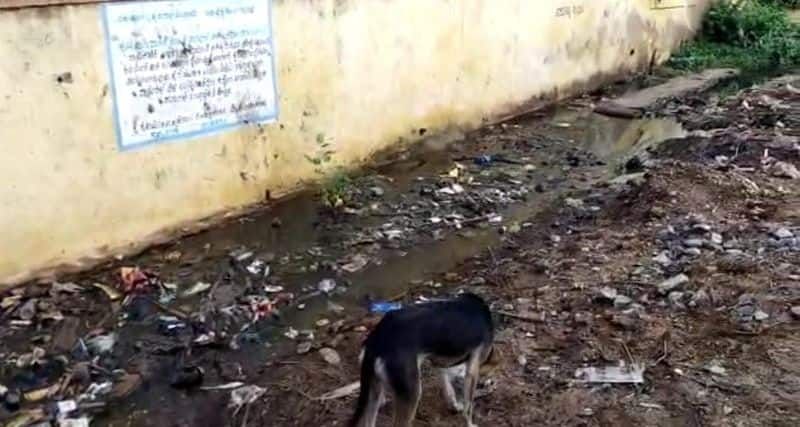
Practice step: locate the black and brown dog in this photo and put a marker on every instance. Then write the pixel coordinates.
(455, 334)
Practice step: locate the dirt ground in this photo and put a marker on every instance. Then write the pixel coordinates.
(719, 350)
(681, 256)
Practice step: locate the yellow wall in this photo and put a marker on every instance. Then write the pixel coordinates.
(365, 74)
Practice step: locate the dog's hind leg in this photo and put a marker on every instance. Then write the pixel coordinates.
(404, 379)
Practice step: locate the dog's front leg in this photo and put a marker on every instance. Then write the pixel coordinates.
(448, 375)
(470, 385)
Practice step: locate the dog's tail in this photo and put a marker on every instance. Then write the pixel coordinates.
(367, 379)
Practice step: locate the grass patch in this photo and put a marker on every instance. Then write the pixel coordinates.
(755, 36)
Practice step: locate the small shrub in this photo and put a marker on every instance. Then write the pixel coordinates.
(755, 36)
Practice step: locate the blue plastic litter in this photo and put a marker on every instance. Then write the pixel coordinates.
(384, 307)
(484, 160)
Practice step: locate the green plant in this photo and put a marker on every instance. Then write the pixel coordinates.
(755, 36)
(334, 188)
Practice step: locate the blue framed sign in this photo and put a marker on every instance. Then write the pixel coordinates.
(180, 69)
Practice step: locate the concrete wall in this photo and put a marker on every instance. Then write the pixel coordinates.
(362, 74)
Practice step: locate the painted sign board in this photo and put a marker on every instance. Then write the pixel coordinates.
(180, 69)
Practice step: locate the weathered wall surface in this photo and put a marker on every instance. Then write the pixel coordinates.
(362, 75)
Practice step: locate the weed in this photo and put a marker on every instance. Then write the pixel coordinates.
(334, 188)
(755, 36)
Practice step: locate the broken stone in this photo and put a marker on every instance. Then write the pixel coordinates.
(377, 191)
(573, 203)
(701, 227)
(716, 369)
(675, 298)
(694, 243)
(330, 355)
(102, 344)
(622, 301)
(28, 310)
(784, 170)
(760, 315)
(663, 259)
(303, 347)
(606, 293)
(783, 233)
(198, 288)
(357, 262)
(672, 283)
(692, 251)
(555, 238)
(700, 298)
(716, 238)
(326, 286)
(66, 336)
(634, 179)
(795, 311)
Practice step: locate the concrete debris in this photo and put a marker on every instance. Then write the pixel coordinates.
(633, 374)
(673, 283)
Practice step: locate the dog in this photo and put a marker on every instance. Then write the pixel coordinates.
(455, 334)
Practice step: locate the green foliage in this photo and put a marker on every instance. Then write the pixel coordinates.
(755, 36)
(334, 191)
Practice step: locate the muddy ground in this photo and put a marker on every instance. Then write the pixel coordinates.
(670, 243)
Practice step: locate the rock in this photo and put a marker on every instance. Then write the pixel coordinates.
(634, 179)
(663, 259)
(716, 369)
(675, 298)
(102, 344)
(522, 360)
(737, 264)
(583, 318)
(28, 310)
(304, 347)
(783, 233)
(622, 301)
(784, 170)
(276, 222)
(357, 263)
(606, 293)
(700, 298)
(574, 203)
(64, 339)
(692, 251)
(624, 321)
(716, 238)
(377, 191)
(555, 238)
(701, 227)
(330, 355)
(795, 311)
(326, 286)
(672, 283)
(760, 315)
(694, 243)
